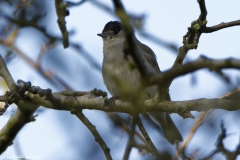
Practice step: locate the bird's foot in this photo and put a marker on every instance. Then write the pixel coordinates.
(112, 101)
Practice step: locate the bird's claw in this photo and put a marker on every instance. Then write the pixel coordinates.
(112, 101)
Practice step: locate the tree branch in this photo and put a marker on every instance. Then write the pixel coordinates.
(163, 89)
(190, 41)
(131, 47)
(95, 133)
(221, 26)
(131, 138)
(230, 155)
(20, 118)
(13, 126)
(90, 101)
(62, 12)
(203, 10)
(50, 78)
(53, 39)
(4, 73)
(200, 63)
(196, 125)
(148, 139)
(171, 46)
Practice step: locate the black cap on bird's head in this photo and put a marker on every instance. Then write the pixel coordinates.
(113, 26)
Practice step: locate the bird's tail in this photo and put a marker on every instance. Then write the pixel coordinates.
(170, 131)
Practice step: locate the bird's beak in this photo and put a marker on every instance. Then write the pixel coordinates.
(102, 35)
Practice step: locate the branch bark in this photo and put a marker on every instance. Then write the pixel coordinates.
(20, 118)
(90, 101)
(13, 126)
(200, 63)
(62, 13)
(221, 26)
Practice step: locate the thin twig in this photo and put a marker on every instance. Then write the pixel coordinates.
(5, 74)
(26, 23)
(190, 41)
(221, 26)
(95, 133)
(53, 39)
(200, 63)
(171, 46)
(80, 49)
(61, 14)
(168, 45)
(37, 67)
(131, 47)
(163, 89)
(147, 138)
(119, 121)
(196, 125)
(141, 147)
(131, 139)
(230, 155)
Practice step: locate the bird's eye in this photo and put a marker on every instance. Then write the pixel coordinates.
(115, 31)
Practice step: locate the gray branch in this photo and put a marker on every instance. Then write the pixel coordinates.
(20, 118)
(92, 102)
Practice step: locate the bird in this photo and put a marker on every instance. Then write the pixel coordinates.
(121, 79)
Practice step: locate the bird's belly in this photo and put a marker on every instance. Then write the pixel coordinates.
(120, 80)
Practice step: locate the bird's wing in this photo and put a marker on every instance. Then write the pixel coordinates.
(150, 56)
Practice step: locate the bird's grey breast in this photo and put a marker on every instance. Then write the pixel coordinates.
(116, 71)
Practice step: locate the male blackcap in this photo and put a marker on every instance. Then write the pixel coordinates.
(120, 79)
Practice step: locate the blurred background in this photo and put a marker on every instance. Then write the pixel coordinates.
(35, 53)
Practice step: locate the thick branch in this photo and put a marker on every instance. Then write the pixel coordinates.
(90, 101)
(13, 126)
(20, 118)
(16, 123)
